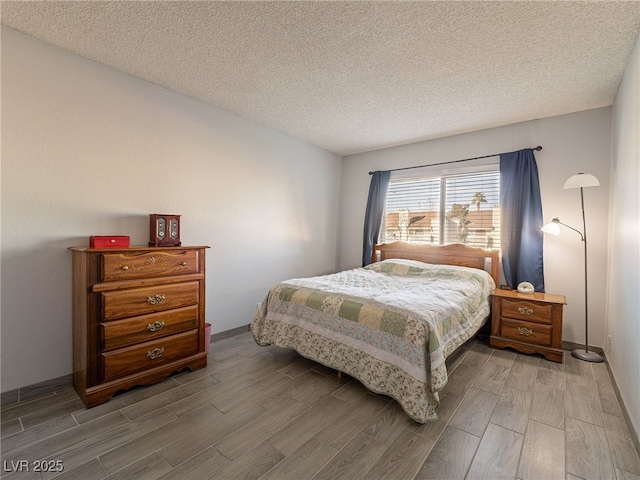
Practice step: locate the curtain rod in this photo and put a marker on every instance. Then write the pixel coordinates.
(537, 149)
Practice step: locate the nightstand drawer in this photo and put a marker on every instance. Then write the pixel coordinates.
(527, 332)
(148, 355)
(122, 333)
(525, 310)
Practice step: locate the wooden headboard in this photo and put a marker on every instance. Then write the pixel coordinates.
(454, 254)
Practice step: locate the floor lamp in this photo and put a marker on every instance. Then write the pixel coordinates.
(580, 181)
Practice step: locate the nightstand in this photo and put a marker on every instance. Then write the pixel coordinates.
(528, 322)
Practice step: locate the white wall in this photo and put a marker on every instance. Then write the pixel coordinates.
(624, 285)
(579, 142)
(88, 150)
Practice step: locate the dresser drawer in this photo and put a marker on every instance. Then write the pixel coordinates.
(122, 333)
(524, 310)
(129, 265)
(125, 361)
(140, 301)
(528, 332)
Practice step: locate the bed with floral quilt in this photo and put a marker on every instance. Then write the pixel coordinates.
(391, 324)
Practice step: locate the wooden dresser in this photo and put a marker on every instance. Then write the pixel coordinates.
(138, 316)
(527, 322)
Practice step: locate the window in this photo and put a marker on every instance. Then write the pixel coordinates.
(445, 208)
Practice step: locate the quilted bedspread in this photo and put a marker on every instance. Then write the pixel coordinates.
(391, 324)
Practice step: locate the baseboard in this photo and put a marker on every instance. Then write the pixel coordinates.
(36, 390)
(216, 337)
(49, 387)
(623, 407)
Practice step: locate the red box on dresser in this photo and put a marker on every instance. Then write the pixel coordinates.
(109, 241)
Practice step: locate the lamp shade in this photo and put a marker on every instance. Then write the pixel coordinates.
(581, 180)
(553, 227)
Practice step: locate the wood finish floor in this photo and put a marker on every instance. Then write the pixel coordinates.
(264, 412)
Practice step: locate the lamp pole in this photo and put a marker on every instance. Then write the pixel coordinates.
(586, 283)
(585, 354)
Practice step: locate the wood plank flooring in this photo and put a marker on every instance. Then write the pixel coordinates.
(267, 413)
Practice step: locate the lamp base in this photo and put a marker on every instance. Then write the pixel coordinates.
(587, 356)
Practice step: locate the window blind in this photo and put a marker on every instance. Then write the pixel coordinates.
(445, 208)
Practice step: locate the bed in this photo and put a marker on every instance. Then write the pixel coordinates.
(391, 324)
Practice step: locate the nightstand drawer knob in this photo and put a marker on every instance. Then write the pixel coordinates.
(155, 353)
(184, 264)
(155, 326)
(525, 331)
(124, 268)
(525, 310)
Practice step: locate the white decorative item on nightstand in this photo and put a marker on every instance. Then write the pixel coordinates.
(525, 287)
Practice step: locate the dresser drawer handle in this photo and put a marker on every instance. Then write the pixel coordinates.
(155, 299)
(525, 331)
(124, 268)
(155, 326)
(525, 310)
(155, 353)
(184, 264)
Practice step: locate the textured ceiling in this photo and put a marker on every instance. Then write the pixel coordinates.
(357, 76)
